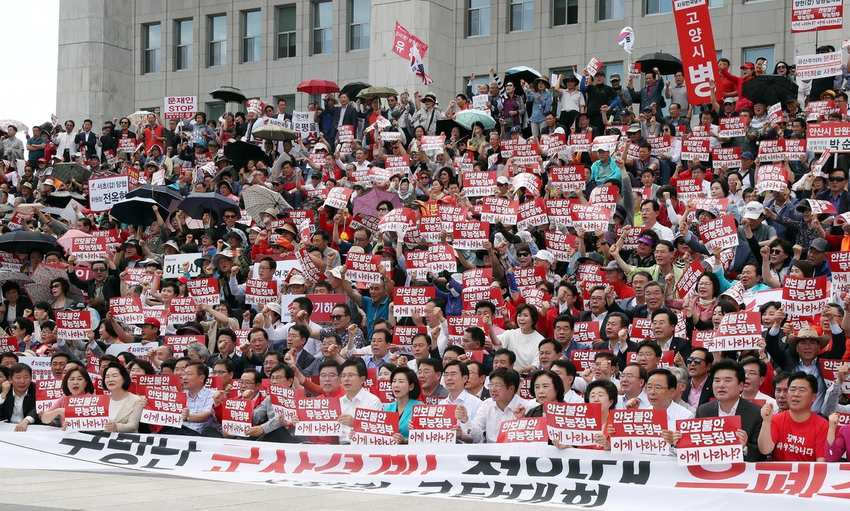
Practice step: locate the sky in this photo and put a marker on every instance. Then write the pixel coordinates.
(28, 80)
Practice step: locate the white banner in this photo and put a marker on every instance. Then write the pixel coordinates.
(106, 191)
(819, 65)
(533, 474)
(179, 107)
(175, 265)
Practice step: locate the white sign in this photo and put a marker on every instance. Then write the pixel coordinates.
(819, 65)
(174, 266)
(179, 107)
(104, 192)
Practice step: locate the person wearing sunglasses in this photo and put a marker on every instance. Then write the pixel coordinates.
(837, 190)
(698, 391)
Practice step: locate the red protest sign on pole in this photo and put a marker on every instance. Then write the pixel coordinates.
(709, 441)
(403, 41)
(639, 432)
(696, 48)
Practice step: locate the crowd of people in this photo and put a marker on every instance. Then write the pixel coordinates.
(548, 282)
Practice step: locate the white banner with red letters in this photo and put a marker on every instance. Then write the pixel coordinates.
(696, 48)
(828, 136)
(808, 15)
(535, 474)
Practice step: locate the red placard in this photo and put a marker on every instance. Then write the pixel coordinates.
(580, 142)
(46, 392)
(398, 221)
(524, 430)
(86, 413)
(807, 15)
(559, 211)
(828, 136)
(283, 402)
(73, 324)
(562, 245)
(737, 331)
(236, 416)
(338, 197)
(404, 41)
(182, 309)
(709, 441)
(641, 330)
(127, 309)
(479, 184)
(374, 427)
(88, 248)
(695, 148)
(403, 335)
(802, 297)
(730, 127)
(499, 210)
(318, 416)
(410, 300)
(8, 343)
(584, 359)
(365, 268)
(162, 381)
(179, 343)
(164, 406)
(569, 178)
(433, 424)
(828, 367)
(729, 157)
(205, 291)
(639, 432)
(260, 292)
(696, 48)
(586, 332)
(591, 217)
(532, 214)
(721, 233)
(605, 195)
(689, 278)
(574, 424)
(470, 235)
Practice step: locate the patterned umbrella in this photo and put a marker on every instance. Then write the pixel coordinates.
(258, 198)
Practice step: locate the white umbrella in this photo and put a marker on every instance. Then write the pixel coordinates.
(258, 198)
(21, 127)
(138, 117)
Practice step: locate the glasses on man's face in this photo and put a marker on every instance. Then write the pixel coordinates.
(229, 216)
(694, 360)
(383, 210)
(337, 316)
(836, 179)
(523, 254)
(124, 123)
(56, 286)
(220, 372)
(776, 251)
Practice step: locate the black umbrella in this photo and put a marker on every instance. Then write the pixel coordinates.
(137, 211)
(518, 74)
(666, 63)
(446, 125)
(240, 152)
(228, 94)
(61, 199)
(196, 204)
(27, 241)
(770, 89)
(65, 172)
(165, 196)
(353, 89)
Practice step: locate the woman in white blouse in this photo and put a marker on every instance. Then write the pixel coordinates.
(125, 408)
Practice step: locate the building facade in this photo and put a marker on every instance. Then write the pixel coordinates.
(119, 56)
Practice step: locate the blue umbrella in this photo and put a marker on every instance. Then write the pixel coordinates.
(470, 116)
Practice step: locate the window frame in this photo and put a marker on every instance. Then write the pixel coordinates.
(315, 28)
(216, 43)
(250, 43)
(291, 35)
(483, 21)
(599, 4)
(179, 65)
(352, 24)
(524, 5)
(150, 55)
(567, 6)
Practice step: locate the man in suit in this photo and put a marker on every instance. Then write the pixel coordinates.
(477, 377)
(296, 339)
(727, 383)
(105, 284)
(17, 398)
(344, 115)
(698, 391)
(664, 327)
(88, 140)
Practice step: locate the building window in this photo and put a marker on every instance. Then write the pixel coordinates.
(615, 68)
(478, 18)
(217, 30)
(252, 30)
(564, 72)
(609, 10)
(322, 26)
(182, 44)
(658, 6)
(564, 12)
(215, 109)
(285, 31)
(715, 3)
(522, 15)
(752, 54)
(359, 12)
(150, 43)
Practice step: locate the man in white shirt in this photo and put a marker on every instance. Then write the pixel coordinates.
(17, 397)
(352, 376)
(649, 209)
(503, 405)
(65, 142)
(455, 376)
(632, 380)
(660, 391)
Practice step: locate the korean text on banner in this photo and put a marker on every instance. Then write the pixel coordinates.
(106, 191)
(179, 107)
(808, 15)
(819, 65)
(696, 47)
(403, 40)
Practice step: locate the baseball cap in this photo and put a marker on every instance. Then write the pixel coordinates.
(747, 155)
(152, 322)
(753, 210)
(545, 255)
(819, 244)
(502, 180)
(296, 280)
(748, 65)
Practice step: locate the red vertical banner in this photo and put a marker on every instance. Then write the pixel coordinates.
(696, 48)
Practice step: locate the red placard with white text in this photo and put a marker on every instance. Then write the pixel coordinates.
(709, 441)
(809, 15)
(569, 178)
(283, 402)
(524, 430)
(696, 48)
(73, 324)
(721, 233)
(127, 309)
(403, 41)
(470, 235)
(574, 424)
(374, 427)
(88, 248)
(182, 309)
(433, 424)
(46, 392)
(86, 412)
(639, 432)
(236, 416)
(584, 359)
(738, 331)
(179, 343)
(803, 297)
(205, 291)
(260, 292)
(689, 278)
(828, 367)
(318, 416)
(585, 332)
(365, 268)
(164, 407)
(324, 304)
(411, 300)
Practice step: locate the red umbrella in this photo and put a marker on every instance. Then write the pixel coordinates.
(318, 87)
